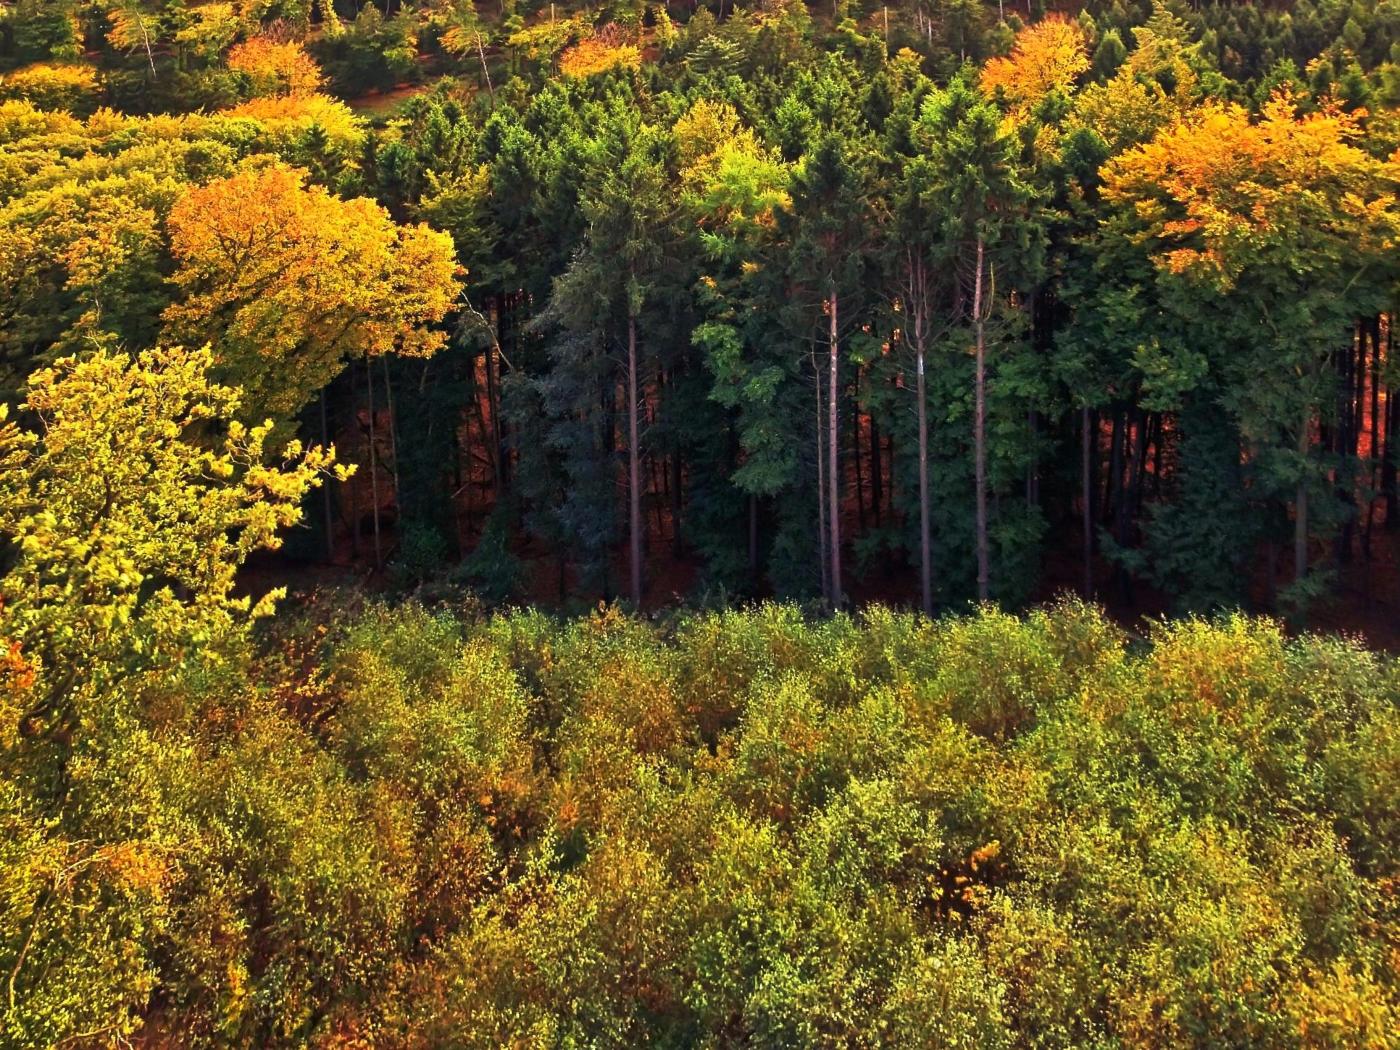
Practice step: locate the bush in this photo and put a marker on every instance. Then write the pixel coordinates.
(740, 829)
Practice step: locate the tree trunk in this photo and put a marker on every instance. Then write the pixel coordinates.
(925, 544)
(859, 466)
(821, 493)
(984, 590)
(1300, 509)
(1087, 511)
(325, 486)
(634, 473)
(834, 474)
(373, 467)
(877, 480)
(393, 434)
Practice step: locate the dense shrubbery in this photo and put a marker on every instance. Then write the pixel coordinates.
(403, 827)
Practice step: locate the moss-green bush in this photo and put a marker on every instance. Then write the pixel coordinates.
(386, 826)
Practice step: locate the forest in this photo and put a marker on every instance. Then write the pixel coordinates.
(699, 524)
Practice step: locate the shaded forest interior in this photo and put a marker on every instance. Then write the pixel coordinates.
(1131, 459)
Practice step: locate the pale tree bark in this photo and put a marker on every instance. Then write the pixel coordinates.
(1087, 511)
(833, 473)
(918, 315)
(634, 472)
(980, 433)
(821, 489)
(373, 466)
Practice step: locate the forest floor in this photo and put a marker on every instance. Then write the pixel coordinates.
(1364, 600)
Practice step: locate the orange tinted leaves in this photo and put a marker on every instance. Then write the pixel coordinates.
(1048, 56)
(275, 67)
(286, 280)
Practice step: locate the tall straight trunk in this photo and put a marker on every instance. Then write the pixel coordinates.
(393, 433)
(877, 480)
(1388, 451)
(373, 466)
(918, 296)
(984, 589)
(634, 473)
(834, 474)
(1300, 507)
(925, 546)
(325, 487)
(859, 466)
(1087, 511)
(1113, 483)
(821, 492)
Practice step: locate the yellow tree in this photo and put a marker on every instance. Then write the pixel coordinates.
(128, 501)
(288, 282)
(1272, 235)
(276, 67)
(1047, 57)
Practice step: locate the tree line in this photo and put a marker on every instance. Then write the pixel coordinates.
(798, 299)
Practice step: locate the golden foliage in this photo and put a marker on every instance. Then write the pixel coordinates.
(287, 281)
(1215, 189)
(287, 118)
(1048, 56)
(51, 85)
(606, 50)
(276, 67)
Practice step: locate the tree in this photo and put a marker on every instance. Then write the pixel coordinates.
(976, 190)
(129, 498)
(828, 216)
(1048, 56)
(625, 199)
(1270, 235)
(276, 67)
(287, 283)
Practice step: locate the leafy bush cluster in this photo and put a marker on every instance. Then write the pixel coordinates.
(401, 827)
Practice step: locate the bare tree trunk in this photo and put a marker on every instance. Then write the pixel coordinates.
(481, 53)
(834, 474)
(373, 466)
(1087, 511)
(634, 474)
(325, 486)
(1300, 509)
(821, 490)
(984, 589)
(919, 310)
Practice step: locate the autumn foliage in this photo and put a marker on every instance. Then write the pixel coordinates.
(288, 281)
(276, 67)
(1048, 56)
(1218, 189)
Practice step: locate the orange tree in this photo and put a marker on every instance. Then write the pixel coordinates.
(287, 281)
(1268, 239)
